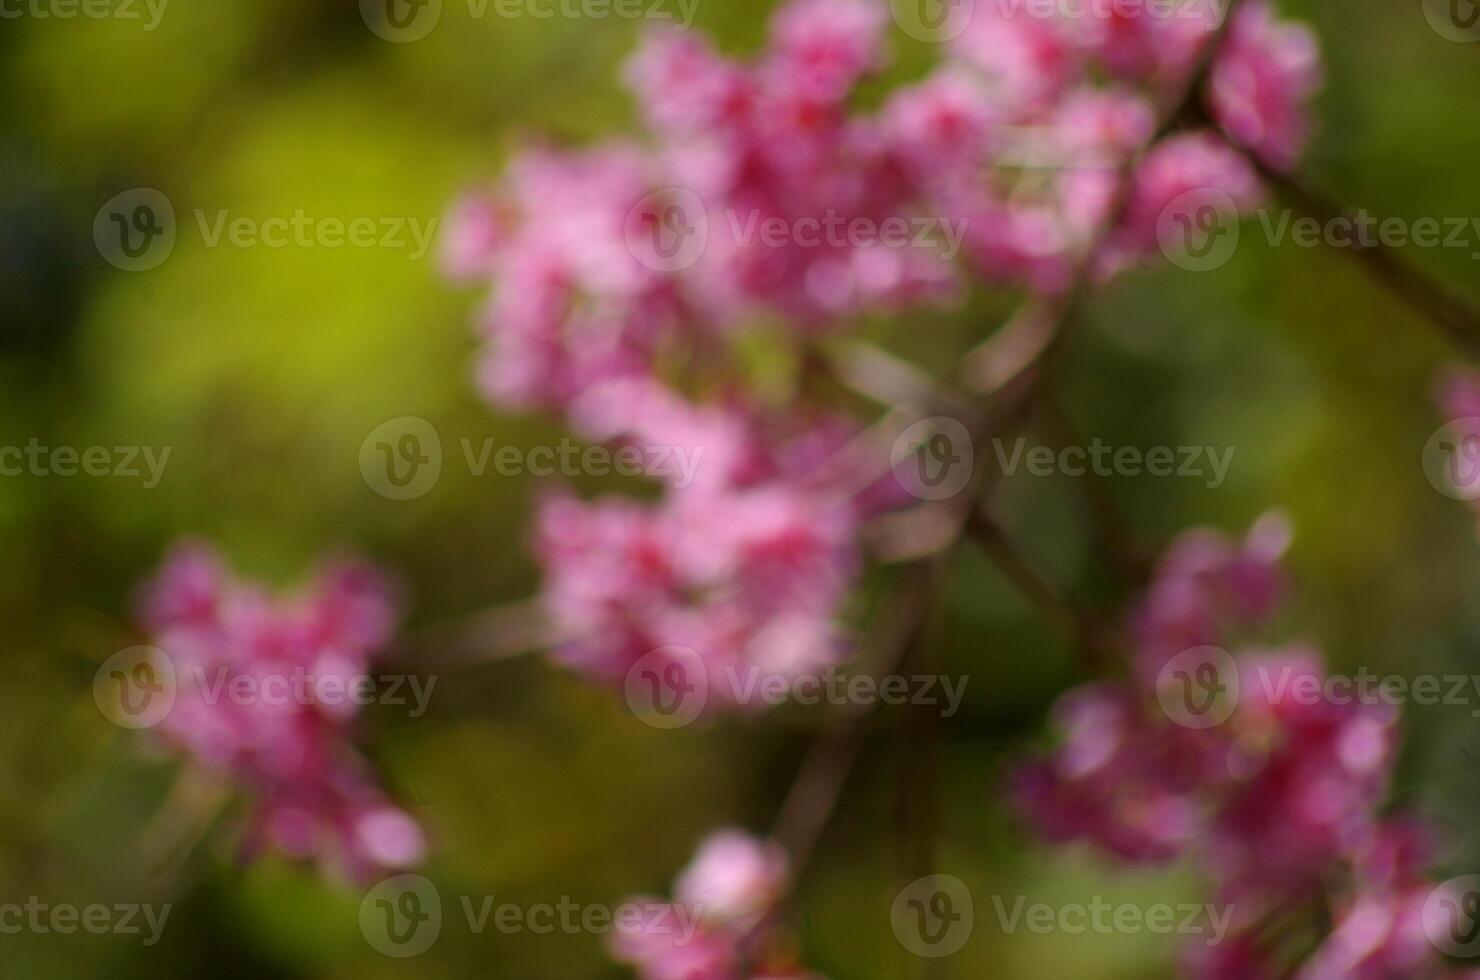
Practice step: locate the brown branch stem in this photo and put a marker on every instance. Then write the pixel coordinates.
(1075, 624)
(1454, 314)
(1009, 392)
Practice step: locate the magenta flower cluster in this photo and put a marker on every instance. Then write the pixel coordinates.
(731, 889)
(313, 797)
(745, 568)
(604, 261)
(1276, 796)
(1012, 150)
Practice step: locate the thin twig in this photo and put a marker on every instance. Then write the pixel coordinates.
(484, 637)
(1009, 396)
(1454, 314)
(1019, 352)
(818, 785)
(195, 801)
(1075, 624)
(1120, 547)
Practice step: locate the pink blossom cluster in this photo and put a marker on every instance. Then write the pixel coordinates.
(603, 259)
(313, 796)
(1278, 802)
(731, 889)
(623, 275)
(745, 565)
(1051, 109)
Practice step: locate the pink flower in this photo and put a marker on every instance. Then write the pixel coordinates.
(1377, 937)
(1205, 588)
(746, 559)
(1277, 803)
(823, 47)
(684, 85)
(669, 946)
(1262, 84)
(1458, 395)
(721, 919)
(1189, 163)
(942, 129)
(734, 877)
(1117, 779)
(1309, 776)
(1159, 42)
(749, 580)
(1035, 233)
(1026, 60)
(473, 234)
(286, 741)
(572, 302)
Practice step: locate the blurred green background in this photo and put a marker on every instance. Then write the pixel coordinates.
(265, 369)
